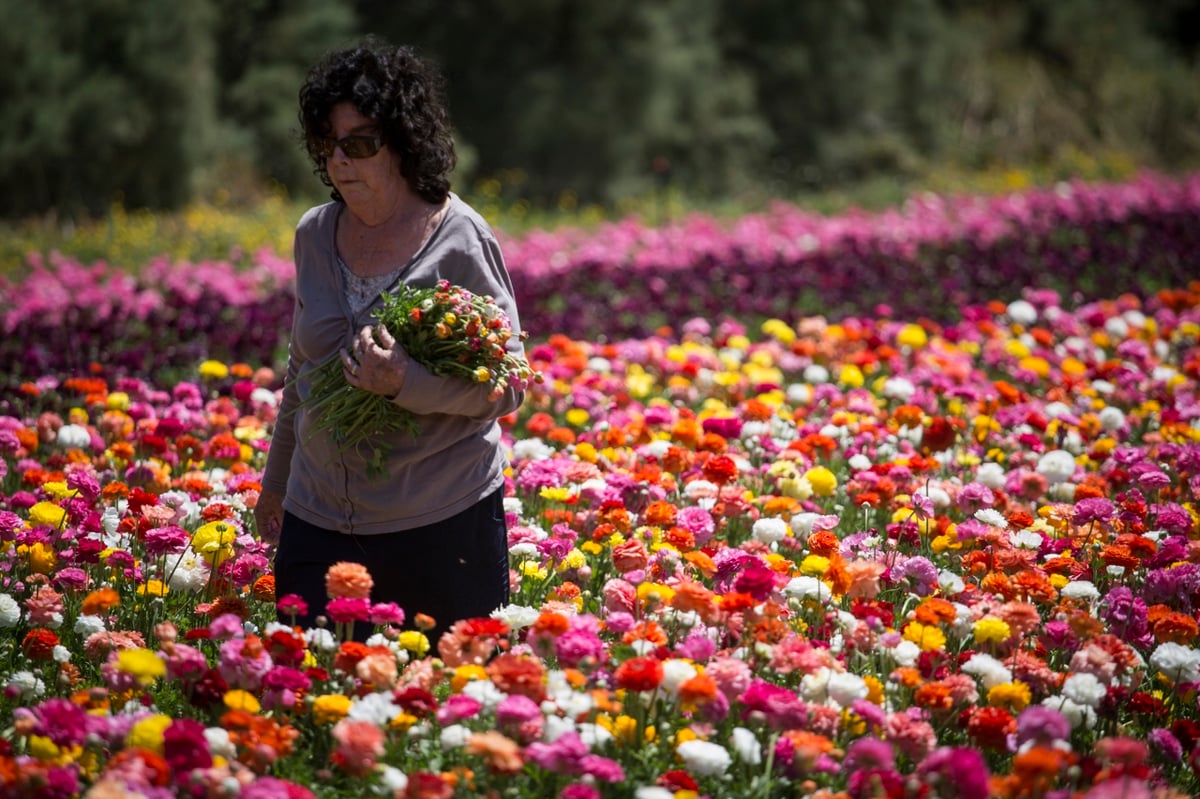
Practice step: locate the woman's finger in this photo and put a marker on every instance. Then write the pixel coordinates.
(384, 336)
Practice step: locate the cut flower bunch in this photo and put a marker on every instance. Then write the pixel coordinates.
(449, 330)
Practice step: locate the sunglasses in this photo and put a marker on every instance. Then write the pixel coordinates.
(352, 146)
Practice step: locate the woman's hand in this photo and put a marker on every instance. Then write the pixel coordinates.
(375, 362)
(268, 515)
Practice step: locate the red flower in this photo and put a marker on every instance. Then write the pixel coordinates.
(720, 469)
(677, 780)
(472, 628)
(426, 785)
(639, 674)
(39, 644)
(990, 727)
(416, 701)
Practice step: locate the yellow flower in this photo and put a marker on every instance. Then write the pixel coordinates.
(214, 370)
(585, 451)
(148, 733)
(555, 493)
(796, 487)
(654, 593)
(483, 374)
(874, 689)
(912, 336)
(47, 514)
(530, 568)
(237, 699)
(1032, 363)
(330, 708)
(1015, 696)
(153, 588)
(466, 673)
(58, 489)
(414, 641)
(42, 558)
(925, 636)
(851, 376)
(822, 480)
(779, 329)
(624, 729)
(573, 560)
(42, 748)
(117, 401)
(577, 417)
(143, 664)
(214, 542)
(990, 628)
(814, 566)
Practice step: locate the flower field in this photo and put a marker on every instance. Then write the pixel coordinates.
(889, 553)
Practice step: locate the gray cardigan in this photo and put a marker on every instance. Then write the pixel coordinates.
(457, 459)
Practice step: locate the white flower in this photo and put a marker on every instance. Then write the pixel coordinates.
(704, 758)
(1057, 466)
(652, 792)
(990, 671)
(1078, 715)
(898, 388)
(1080, 589)
(1062, 492)
(516, 616)
(61, 654)
(86, 625)
(484, 692)
(675, 673)
(814, 686)
(320, 640)
(10, 611)
(905, 653)
(699, 488)
(531, 449)
(992, 518)
(1026, 539)
(187, 571)
(524, 550)
(219, 742)
(769, 530)
(815, 374)
(1084, 688)
(802, 523)
(1178, 662)
(73, 436)
(558, 726)
(377, 708)
(1022, 312)
(1116, 327)
(393, 780)
(950, 583)
(990, 474)
(26, 684)
(938, 496)
(806, 587)
(844, 688)
(1112, 418)
(859, 462)
(513, 505)
(799, 394)
(594, 735)
(455, 736)
(746, 746)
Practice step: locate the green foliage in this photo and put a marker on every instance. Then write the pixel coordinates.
(593, 105)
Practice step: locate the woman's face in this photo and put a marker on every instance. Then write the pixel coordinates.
(368, 179)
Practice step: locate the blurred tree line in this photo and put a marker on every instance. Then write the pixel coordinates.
(156, 104)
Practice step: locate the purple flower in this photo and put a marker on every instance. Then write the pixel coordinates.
(1125, 615)
(918, 574)
(1093, 509)
(1166, 744)
(1042, 724)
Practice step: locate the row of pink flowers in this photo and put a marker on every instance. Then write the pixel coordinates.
(931, 257)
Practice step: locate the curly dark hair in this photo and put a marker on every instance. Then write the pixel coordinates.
(397, 89)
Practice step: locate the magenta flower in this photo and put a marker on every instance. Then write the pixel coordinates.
(345, 609)
(963, 768)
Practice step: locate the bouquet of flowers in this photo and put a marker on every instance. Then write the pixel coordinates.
(449, 330)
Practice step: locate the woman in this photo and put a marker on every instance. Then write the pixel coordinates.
(431, 531)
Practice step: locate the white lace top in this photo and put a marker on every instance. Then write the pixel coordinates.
(362, 291)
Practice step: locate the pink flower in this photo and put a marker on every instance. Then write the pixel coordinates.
(385, 613)
(619, 595)
(348, 609)
(359, 745)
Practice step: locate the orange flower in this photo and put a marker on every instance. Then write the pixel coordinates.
(264, 588)
(697, 691)
(720, 469)
(934, 696)
(348, 580)
(501, 753)
(692, 596)
(348, 655)
(100, 601)
(935, 610)
(660, 514)
(823, 543)
(1175, 627)
(550, 623)
(648, 630)
(518, 674)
